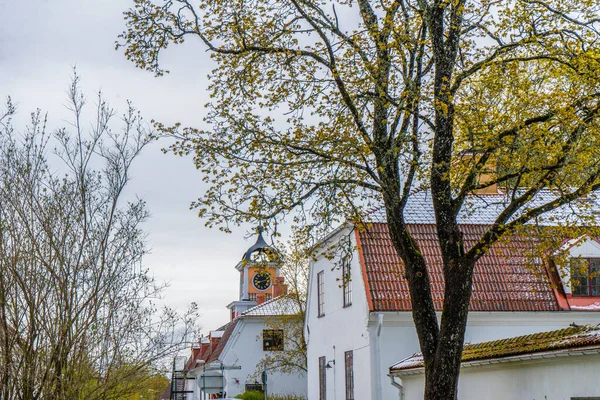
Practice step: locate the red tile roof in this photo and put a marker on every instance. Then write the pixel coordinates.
(576, 337)
(503, 280)
(228, 330)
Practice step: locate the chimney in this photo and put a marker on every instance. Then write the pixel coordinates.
(487, 173)
(260, 298)
(279, 287)
(214, 341)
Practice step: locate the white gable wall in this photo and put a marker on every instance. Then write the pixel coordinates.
(244, 348)
(355, 328)
(556, 378)
(339, 330)
(398, 339)
(585, 248)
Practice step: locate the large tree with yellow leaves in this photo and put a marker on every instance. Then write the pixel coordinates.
(322, 108)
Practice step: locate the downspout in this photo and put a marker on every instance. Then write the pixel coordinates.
(398, 385)
(379, 392)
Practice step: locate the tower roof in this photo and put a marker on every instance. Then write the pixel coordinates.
(261, 246)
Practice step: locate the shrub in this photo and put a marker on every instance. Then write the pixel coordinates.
(251, 395)
(256, 395)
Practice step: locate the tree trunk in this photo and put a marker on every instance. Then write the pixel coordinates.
(442, 378)
(441, 345)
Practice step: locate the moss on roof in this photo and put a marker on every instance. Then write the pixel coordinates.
(575, 336)
(568, 338)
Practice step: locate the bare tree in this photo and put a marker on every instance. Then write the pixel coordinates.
(76, 318)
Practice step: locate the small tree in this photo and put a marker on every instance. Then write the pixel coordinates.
(321, 107)
(76, 319)
(292, 359)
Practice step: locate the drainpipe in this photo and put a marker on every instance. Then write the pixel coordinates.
(379, 392)
(398, 385)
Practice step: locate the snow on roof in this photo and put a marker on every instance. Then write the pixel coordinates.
(484, 209)
(572, 338)
(281, 305)
(590, 307)
(216, 334)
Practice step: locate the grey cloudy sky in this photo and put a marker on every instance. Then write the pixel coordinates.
(40, 41)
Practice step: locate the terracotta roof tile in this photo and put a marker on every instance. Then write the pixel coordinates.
(503, 280)
(216, 352)
(576, 337)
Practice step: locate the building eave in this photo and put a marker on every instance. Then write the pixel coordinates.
(590, 350)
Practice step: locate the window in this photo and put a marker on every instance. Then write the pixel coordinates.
(254, 387)
(585, 398)
(349, 368)
(346, 284)
(320, 294)
(322, 386)
(273, 339)
(585, 277)
(268, 296)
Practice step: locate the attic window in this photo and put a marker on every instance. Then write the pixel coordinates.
(585, 277)
(272, 339)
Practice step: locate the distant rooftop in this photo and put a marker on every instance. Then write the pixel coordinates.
(583, 338)
(483, 209)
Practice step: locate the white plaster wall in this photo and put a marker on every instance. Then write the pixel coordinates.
(551, 379)
(244, 348)
(399, 339)
(354, 328)
(340, 330)
(486, 326)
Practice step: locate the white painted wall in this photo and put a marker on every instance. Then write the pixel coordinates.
(355, 328)
(339, 330)
(244, 348)
(557, 378)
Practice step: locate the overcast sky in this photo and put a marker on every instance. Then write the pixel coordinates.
(40, 41)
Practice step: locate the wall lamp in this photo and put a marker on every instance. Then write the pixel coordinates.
(330, 364)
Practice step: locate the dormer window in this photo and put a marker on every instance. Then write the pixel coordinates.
(585, 277)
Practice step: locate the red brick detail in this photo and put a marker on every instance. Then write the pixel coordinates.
(279, 287)
(260, 298)
(216, 352)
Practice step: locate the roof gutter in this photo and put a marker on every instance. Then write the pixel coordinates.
(517, 358)
(398, 385)
(379, 388)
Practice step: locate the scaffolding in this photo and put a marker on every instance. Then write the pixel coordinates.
(179, 379)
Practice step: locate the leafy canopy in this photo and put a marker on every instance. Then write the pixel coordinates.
(311, 100)
(322, 109)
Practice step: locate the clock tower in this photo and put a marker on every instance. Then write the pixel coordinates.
(259, 276)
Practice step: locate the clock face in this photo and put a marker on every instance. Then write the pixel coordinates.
(261, 280)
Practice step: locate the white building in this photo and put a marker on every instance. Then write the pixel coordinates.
(557, 365)
(227, 361)
(359, 320)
